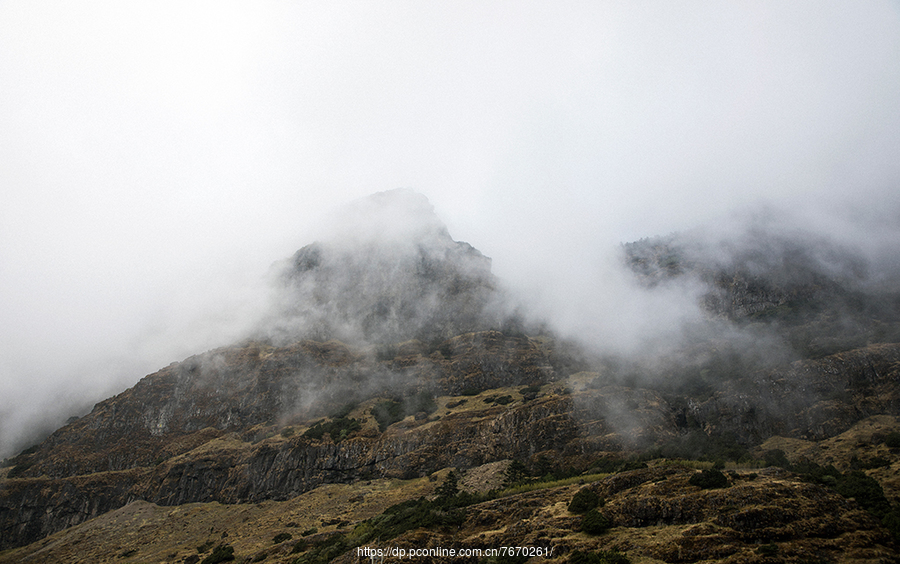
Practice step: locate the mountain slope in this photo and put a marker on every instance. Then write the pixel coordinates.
(391, 353)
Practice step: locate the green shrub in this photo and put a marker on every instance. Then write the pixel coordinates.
(281, 537)
(325, 551)
(412, 514)
(530, 392)
(891, 522)
(337, 429)
(595, 523)
(584, 500)
(892, 440)
(344, 411)
(450, 487)
(866, 490)
(869, 463)
(708, 479)
(386, 352)
(516, 473)
(767, 550)
(222, 553)
(19, 470)
(388, 412)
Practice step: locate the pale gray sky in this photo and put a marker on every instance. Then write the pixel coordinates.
(157, 157)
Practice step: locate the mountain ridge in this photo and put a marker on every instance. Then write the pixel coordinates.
(393, 353)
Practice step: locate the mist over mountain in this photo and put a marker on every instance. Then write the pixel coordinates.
(391, 272)
(388, 350)
(820, 293)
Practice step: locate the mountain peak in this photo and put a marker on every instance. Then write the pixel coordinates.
(386, 270)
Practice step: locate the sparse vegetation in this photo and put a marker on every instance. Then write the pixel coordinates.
(222, 553)
(708, 479)
(584, 500)
(515, 473)
(387, 412)
(595, 523)
(447, 509)
(498, 400)
(337, 429)
(281, 537)
(892, 439)
(324, 551)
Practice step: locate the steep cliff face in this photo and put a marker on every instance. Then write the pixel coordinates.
(236, 388)
(809, 399)
(191, 432)
(230, 470)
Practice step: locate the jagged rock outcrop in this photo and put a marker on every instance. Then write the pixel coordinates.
(235, 388)
(160, 426)
(231, 471)
(394, 274)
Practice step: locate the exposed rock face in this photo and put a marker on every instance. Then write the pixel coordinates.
(148, 437)
(235, 388)
(394, 275)
(810, 399)
(818, 296)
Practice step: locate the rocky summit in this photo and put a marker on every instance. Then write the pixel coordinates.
(394, 275)
(395, 403)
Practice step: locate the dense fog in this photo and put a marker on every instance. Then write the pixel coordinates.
(159, 159)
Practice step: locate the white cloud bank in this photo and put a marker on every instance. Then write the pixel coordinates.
(157, 157)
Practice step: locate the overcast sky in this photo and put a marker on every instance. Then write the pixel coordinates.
(157, 157)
